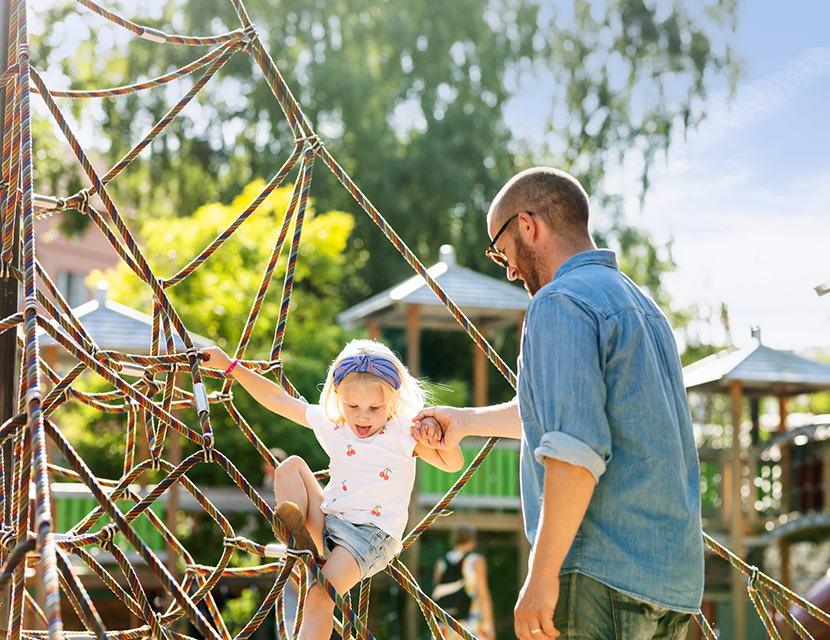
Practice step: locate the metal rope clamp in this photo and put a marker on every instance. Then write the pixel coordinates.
(207, 449)
(752, 585)
(8, 541)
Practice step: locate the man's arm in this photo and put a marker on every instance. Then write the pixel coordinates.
(500, 420)
(567, 493)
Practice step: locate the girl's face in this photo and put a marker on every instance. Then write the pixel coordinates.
(364, 408)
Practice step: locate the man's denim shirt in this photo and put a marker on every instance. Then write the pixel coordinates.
(600, 386)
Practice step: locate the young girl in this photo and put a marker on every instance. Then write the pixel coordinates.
(363, 424)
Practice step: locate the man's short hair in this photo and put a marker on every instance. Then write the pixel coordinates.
(552, 195)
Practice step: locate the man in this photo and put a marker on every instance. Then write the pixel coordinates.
(609, 469)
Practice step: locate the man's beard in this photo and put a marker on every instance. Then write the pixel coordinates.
(528, 262)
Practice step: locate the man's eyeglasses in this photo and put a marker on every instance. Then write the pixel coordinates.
(494, 254)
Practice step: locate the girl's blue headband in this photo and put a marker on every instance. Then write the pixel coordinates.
(381, 367)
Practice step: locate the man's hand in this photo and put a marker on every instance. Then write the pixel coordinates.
(533, 613)
(438, 427)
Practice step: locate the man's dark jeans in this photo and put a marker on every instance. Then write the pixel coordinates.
(590, 610)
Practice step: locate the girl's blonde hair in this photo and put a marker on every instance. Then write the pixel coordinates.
(410, 396)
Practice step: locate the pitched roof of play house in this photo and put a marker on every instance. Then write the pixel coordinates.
(116, 327)
(761, 370)
(487, 301)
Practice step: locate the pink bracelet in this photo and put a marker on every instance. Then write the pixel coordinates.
(230, 368)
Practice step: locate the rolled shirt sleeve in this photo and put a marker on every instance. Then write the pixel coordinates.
(568, 449)
(562, 385)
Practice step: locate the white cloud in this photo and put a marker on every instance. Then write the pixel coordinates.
(749, 229)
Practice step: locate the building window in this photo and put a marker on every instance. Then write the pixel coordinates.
(73, 288)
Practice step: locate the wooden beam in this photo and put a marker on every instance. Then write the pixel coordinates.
(413, 339)
(372, 329)
(786, 485)
(738, 587)
(480, 370)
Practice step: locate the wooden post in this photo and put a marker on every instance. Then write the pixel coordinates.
(825, 481)
(413, 356)
(480, 370)
(786, 485)
(413, 339)
(738, 587)
(786, 579)
(725, 462)
(372, 329)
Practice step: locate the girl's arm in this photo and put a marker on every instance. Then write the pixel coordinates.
(447, 459)
(269, 394)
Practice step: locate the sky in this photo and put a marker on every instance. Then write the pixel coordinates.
(746, 198)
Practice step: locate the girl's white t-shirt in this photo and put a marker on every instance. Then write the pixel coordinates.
(371, 478)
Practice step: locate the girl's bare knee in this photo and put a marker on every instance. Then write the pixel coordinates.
(292, 465)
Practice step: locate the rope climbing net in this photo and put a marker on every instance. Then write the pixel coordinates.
(28, 537)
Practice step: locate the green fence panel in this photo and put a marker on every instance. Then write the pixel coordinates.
(497, 475)
(71, 510)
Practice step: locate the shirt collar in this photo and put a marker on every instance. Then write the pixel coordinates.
(605, 257)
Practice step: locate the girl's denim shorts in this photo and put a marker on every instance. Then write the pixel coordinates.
(370, 546)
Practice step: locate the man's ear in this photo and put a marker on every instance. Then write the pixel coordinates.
(529, 225)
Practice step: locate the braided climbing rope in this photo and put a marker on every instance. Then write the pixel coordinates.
(151, 402)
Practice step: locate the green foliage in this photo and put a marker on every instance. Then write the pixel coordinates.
(237, 612)
(215, 301)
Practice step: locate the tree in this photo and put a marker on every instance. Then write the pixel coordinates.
(410, 95)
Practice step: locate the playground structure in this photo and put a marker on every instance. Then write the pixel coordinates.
(29, 537)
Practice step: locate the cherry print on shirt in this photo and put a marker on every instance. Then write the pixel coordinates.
(350, 450)
(376, 510)
(385, 473)
(345, 488)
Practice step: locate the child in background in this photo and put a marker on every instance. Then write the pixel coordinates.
(363, 423)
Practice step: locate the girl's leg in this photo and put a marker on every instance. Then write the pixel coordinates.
(295, 482)
(342, 572)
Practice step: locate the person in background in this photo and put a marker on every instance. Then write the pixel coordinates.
(461, 584)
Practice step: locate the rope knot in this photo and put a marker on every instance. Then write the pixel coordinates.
(106, 536)
(153, 386)
(83, 197)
